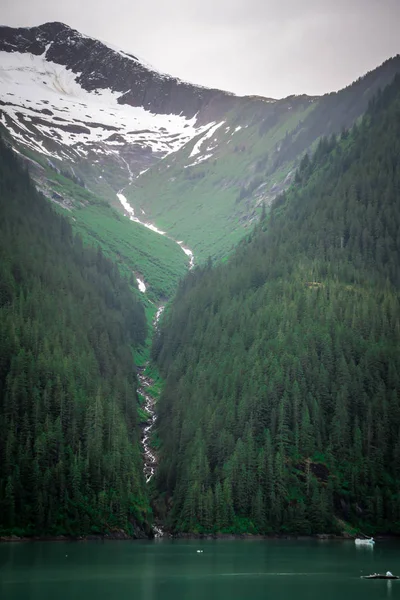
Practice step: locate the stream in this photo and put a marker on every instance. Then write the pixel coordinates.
(132, 217)
(128, 208)
(149, 456)
(150, 459)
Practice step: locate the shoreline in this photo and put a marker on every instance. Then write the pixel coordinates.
(121, 536)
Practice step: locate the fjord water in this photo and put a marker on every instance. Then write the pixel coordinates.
(174, 570)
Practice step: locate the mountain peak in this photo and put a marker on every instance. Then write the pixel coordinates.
(100, 66)
(76, 98)
(71, 96)
(54, 27)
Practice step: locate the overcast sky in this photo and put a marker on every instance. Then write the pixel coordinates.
(269, 47)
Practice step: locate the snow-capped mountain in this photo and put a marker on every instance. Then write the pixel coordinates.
(43, 95)
(70, 97)
(101, 117)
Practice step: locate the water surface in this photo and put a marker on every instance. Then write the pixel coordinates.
(174, 570)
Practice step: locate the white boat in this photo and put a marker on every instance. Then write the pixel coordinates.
(364, 542)
(388, 575)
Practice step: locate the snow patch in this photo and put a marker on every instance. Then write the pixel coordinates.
(206, 136)
(33, 84)
(141, 172)
(198, 161)
(188, 253)
(132, 217)
(126, 204)
(141, 285)
(150, 226)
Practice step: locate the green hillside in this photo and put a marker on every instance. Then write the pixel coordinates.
(281, 405)
(138, 251)
(252, 156)
(69, 324)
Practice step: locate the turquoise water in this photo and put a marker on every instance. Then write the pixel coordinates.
(174, 570)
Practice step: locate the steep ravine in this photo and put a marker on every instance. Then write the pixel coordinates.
(149, 456)
(150, 459)
(131, 213)
(128, 208)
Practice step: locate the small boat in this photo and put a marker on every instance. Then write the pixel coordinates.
(388, 575)
(366, 542)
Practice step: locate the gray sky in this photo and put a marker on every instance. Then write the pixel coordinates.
(266, 47)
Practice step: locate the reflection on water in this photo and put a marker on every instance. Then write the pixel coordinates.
(363, 547)
(175, 570)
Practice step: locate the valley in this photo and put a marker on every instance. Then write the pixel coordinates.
(199, 300)
(199, 162)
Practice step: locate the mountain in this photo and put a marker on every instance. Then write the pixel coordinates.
(211, 191)
(72, 97)
(197, 162)
(280, 410)
(280, 392)
(69, 323)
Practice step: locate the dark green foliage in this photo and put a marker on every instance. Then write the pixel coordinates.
(69, 443)
(281, 405)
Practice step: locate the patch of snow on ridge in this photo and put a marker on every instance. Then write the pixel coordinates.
(152, 227)
(206, 136)
(30, 84)
(141, 285)
(47, 46)
(132, 217)
(188, 253)
(126, 204)
(198, 160)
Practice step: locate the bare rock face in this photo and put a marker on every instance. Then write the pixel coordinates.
(100, 67)
(106, 117)
(78, 100)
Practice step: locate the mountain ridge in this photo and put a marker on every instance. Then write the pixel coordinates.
(199, 162)
(249, 165)
(67, 46)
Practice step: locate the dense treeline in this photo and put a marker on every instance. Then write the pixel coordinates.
(69, 446)
(281, 406)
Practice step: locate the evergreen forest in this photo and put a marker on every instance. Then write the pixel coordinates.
(279, 367)
(69, 441)
(281, 405)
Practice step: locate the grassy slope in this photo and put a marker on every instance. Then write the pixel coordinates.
(201, 204)
(137, 250)
(154, 258)
(210, 206)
